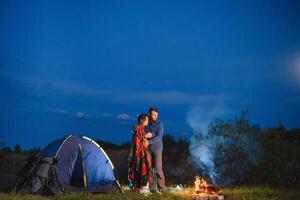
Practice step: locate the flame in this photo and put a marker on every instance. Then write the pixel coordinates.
(202, 187)
(204, 190)
(197, 183)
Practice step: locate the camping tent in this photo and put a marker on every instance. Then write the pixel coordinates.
(74, 163)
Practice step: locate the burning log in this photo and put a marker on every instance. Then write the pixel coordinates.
(205, 191)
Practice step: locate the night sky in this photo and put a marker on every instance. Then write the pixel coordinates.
(89, 67)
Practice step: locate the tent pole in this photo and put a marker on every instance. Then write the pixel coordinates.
(119, 186)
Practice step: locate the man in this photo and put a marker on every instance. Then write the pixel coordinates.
(155, 130)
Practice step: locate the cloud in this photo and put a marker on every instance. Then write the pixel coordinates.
(57, 111)
(169, 97)
(69, 113)
(166, 97)
(124, 117)
(80, 114)
(105, 115)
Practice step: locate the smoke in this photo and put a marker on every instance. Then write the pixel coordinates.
(200, 117)
(224, 149)
(202, 147)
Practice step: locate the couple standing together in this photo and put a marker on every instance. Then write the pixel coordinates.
(145, 173)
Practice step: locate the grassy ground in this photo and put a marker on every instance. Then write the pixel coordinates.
(261, 193)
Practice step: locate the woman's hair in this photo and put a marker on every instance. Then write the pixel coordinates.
(141, 118)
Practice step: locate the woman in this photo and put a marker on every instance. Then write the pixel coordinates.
(140, 171)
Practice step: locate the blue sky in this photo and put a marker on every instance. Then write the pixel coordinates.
(89, 67)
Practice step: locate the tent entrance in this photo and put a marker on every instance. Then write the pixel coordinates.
(78, 178)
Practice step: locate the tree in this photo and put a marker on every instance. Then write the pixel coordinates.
(236, 148)
(18, 148)
(280, 156)
(2, 143)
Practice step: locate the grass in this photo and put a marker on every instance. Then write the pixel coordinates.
(262, 193)
(244, 193)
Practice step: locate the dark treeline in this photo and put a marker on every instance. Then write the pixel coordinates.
(250, 155)
(246, 155)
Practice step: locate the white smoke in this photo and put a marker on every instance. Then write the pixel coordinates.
(202, 147)
(199, 117)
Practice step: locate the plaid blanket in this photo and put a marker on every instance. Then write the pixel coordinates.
(140, 169)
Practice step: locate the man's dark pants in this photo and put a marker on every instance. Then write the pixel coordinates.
(157, 164)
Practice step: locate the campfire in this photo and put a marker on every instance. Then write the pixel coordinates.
(205, 191)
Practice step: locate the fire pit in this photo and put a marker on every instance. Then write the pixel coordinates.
(205, 191)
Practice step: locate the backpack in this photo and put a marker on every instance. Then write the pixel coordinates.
(38, 176)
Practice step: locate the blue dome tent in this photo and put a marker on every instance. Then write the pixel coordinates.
(74, 163)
